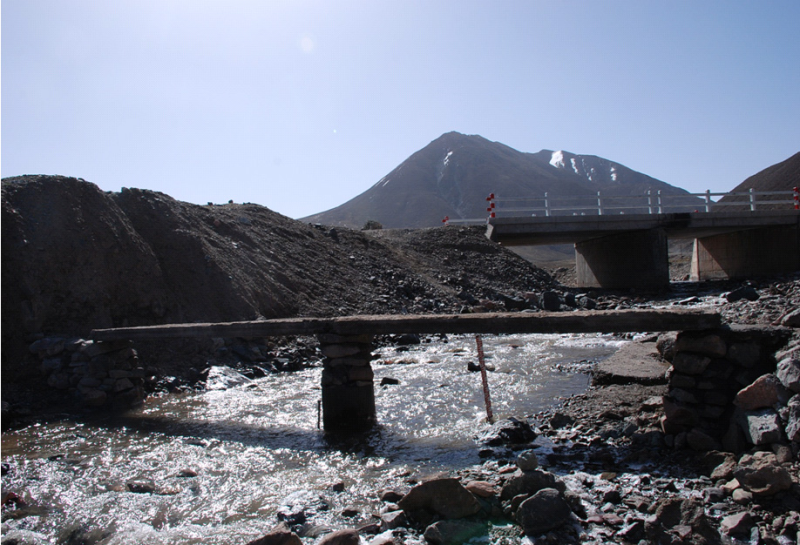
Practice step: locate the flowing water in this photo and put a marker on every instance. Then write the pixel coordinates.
(216, 465)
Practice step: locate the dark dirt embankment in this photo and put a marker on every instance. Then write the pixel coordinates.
(77, 258)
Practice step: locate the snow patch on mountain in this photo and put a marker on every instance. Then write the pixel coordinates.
(557, 159)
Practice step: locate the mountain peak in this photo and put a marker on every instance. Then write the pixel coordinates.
(453, 174)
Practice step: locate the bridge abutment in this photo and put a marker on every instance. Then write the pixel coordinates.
(636, 259)
(766, 250)
(348, 395)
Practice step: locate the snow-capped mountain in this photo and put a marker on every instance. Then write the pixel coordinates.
(453, 175)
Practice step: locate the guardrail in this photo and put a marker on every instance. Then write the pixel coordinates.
(649, 203)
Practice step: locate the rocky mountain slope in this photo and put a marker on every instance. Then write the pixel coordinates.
(77, 258)
(783, 176)
(453, 175)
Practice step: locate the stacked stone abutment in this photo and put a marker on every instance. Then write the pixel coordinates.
(348, 396)
(96, 374)
(725, 390)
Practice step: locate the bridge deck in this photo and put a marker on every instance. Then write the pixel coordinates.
(519, 322)
(533, 230)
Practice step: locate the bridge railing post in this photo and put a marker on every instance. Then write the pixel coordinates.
(708, 200)
(658, 201)
(649, 202)
(546, 205)
(599, 205)
(752, 199)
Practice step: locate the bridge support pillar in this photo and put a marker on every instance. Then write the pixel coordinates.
(348, 396)
(765, 250)
(636, 259)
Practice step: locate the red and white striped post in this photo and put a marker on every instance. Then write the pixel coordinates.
(491, 208)
(446, 221)
(796, 199)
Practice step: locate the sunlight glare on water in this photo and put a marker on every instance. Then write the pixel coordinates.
(219, 462)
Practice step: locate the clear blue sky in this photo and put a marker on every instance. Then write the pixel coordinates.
(302, 105)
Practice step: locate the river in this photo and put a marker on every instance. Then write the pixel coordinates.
(214, 466)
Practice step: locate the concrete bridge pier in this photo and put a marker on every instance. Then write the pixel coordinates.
(348, 395)
(633, 259)
(766, 250)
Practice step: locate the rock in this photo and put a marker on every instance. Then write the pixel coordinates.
(454, 532)
(724, 470)
(745, 292)
(632, 533)
(587, 303)
(792, 319)
(341, 537)
(666, 345)
(280, 535)
(560, 420)
(527, 461)
(385, 538)
(701, 441)
(481, 489)
(508, 432)
(389, 381)
(765, 391)
(762, 427)
(744, 354)
(551, 301)
(544, 511)
(392, 520)
(684, 517)
(739, 524)
(761, 474)
(690, 364)
(444, 497)
(94, 398)
(788, 373)
(299, 506)
(793, 419)
(141, 487)
(527, 483)
(741, 496)
(707, 345)
(390, 496)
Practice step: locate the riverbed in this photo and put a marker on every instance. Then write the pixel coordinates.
(216, 466)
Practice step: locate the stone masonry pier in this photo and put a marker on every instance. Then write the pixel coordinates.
(348, 399)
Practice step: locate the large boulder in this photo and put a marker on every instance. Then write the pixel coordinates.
(454, 532)
(544, 511)
(527, 483)
(508, 432)
(280, 535)
(761, 474)
(444, 497)
(789, 373)
(762, 427)
(764, 392)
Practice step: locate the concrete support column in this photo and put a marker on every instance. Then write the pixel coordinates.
(766, 250)
(637, 259)
(348, 396)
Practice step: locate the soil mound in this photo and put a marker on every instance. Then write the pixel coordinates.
(77, 258)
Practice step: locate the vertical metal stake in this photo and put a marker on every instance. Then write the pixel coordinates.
(319, 414)
(485, 380)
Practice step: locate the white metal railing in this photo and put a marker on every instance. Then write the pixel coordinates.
(649, 203)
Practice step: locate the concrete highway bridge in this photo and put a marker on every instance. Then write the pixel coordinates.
(348, 398)
(631, 251)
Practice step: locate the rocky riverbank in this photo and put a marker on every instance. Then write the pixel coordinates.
(597, 468)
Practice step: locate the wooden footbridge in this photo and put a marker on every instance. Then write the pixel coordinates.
(348, 398)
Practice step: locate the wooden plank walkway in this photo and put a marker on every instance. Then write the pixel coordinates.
(605, 321)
